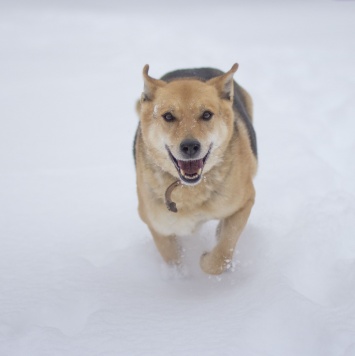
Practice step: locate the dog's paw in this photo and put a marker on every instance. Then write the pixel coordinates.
(213, 264)
(173, 272)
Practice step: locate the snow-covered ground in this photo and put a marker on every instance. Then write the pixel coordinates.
(79, 274)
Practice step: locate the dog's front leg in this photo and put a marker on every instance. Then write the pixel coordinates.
(168, 247)
(228, 232)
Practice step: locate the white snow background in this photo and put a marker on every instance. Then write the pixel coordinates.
(79, 274)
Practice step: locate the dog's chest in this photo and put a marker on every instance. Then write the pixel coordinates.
(168, 223)
(195, 206)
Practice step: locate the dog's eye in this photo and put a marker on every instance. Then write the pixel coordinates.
(168, 117)
(207, 115)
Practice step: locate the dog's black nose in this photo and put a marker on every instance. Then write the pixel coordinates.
(190, 148)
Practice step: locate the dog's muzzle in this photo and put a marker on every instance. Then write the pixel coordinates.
(190, 170)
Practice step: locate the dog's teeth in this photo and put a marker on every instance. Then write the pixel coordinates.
(190, 177)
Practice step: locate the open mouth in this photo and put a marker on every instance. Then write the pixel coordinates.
(190, 171)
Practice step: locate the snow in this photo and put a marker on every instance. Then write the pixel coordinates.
(79, 274)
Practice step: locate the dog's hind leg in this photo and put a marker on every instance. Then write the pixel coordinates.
(229, 230)
(168, 247)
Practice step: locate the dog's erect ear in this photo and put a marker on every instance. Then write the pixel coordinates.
(224, 83)
(150, 85)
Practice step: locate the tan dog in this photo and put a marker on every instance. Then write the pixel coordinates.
(195, 130)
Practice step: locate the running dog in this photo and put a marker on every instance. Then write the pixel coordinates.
(196, 156)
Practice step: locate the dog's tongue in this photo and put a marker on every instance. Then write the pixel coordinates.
(191, 167)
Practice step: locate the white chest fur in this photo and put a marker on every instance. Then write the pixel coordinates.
(167, 223)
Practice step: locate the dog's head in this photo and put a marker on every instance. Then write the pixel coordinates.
(187, 123)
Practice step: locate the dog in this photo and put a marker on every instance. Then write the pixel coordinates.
(196, 137)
